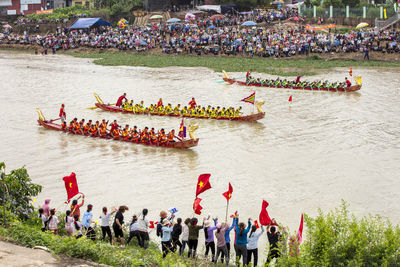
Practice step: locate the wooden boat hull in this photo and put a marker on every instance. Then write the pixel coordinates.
(252, 117)
(346, 89)
(184, 144)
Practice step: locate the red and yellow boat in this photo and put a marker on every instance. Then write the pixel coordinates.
(352, 88)
(112, 108)
(180, 144)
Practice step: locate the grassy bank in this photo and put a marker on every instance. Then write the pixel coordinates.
(280, 67)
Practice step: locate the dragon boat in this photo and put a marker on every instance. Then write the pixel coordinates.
(352, 88)
(181, 144)
(252, 117)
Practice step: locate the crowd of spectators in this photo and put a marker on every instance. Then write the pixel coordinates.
(220, 36)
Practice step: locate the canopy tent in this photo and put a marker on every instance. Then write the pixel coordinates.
(86, 23)
(217, 8)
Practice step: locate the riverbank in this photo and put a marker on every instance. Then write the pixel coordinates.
(13, 255)
(292, 66)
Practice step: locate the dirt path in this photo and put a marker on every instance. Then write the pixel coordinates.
(13, 255)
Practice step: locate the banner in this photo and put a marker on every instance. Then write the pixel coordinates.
(49, 11)
(316, 28)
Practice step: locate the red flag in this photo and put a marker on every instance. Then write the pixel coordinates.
(234, 215)
(351, 71)
(264, 217)
(196, 206)
(256, 224)
(228, 194)
(151, 224)
(290, 99)
(300, 232)
(71, 186)
(203, 184)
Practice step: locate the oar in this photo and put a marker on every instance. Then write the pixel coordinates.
(97, 107)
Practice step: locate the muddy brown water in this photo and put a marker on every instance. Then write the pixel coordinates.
(311, 153)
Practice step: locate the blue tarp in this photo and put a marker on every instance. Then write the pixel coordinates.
(86, 23)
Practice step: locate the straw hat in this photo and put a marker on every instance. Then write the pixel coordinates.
(207, 224)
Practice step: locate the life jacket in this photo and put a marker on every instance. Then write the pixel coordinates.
(86, 129)
(171, 137)
(103, 131)
(125, 132)
(115, 133)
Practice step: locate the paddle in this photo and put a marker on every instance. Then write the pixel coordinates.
(97, 107)
(235, 79)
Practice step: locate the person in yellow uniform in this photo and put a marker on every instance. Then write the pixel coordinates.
(171, 136)
(238, 112)
(162, 138)
(177, 110)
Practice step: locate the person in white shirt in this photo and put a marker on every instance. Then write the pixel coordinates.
(105, 223)
(185, 235)
(143, 226)
(133, 230)
(252, 245)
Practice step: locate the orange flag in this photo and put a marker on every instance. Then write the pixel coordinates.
(228, 194)
(203, 184)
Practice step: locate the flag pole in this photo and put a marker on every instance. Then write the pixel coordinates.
(254, 100)
(226, 214)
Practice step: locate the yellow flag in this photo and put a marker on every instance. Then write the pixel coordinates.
(384, 13)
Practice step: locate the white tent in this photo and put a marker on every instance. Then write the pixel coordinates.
(216, 8)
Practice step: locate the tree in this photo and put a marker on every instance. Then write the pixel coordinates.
(17, 190)
(351, 3)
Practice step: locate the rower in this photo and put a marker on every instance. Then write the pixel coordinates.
(171, 136)
(119, 101)
(62, 115)
(134, 134)
(115, 133)
(162, 138)
(114, 126)
(152, 136)
(104, 124)
(144, 137)
(192, 103)
(86, 128)
(94, 129)
(125, 132)
(177, 109)
(348, 83)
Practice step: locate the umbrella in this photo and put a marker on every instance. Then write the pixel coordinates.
(143, 43)
(296, 19)
(190, 16)
(217, 16)
(156, 17)
(173, 20)
(362, 25)
(249, 23)
(7, 26)
(212, 27)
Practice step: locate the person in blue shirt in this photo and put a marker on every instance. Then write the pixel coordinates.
(166, 237)
(86, 220)
(241, 241)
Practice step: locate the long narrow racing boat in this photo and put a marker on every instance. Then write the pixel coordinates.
(306, 88)
(252, 117)
(181, 144)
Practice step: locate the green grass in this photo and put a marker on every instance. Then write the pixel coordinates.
(280, 67)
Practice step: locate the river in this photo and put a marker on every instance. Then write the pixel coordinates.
(304, 155)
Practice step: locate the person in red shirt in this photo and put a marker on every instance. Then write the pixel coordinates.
(75, 206)
(248, 75)
(62, 113)
(160, 103)
(114, 126)
(298, 79)
(119, 101)
(347, 82)
(192, 103)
